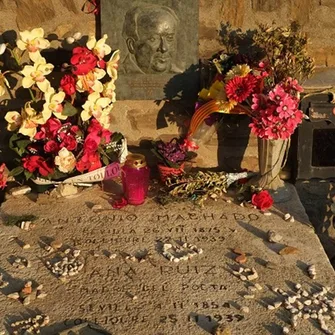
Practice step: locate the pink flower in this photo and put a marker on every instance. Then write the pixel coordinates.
(292, 84)
(3, 176)
(189, 145)
(259, 102)
(89, 161)
(239, 88)
(68, 84)
(68, 141)
(287, 107)
(95, 127)
(277, 94)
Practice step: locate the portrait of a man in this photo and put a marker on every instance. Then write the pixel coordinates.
(150, 32)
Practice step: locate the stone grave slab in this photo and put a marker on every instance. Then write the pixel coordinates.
(159, 297)
(158, 43)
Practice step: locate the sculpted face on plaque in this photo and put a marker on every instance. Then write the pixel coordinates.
(150, 32)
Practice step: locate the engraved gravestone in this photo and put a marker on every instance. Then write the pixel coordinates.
(158, 41)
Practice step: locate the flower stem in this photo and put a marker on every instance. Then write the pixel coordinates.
(32, 95)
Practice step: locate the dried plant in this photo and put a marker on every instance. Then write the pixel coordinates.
(198, 186)
(285, 50)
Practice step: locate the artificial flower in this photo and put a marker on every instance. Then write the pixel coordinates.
(277, 94)
(35, 74)
(53, 104)
(83, 61)
(33, 163)
(33, 41)
(240, 70)
(262, 200)
(286, 107)
(99, 48)
(90, 82)
(68, 84)
(14, 120)
(94, 106)
(240, 88)
(51, 146)
(112, 64)
(91, 143)
(65, 161)
(226, 106)
(96, 128)
(3, 83)
(109, 90)
(190, 145)
(89, 161)
(48, 130)
(3, 176)
(105, 118)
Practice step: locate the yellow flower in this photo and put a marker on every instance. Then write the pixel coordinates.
(99, 48)
(53, 104)
(14, 120)
(91, 81)
(28, 121)
(3, 83)
(216, 91)
(226, 106)
(112, 64)
(33, 41)
(240, 70)
(65, 160)
(35, 74)
(94, 106)
(109, 90)
(105, 118)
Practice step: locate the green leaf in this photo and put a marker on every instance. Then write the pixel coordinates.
(16, 171)
(116, 137)
(105, 160)
(28, 174)
(69, 110)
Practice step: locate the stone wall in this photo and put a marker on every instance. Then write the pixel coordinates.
(145, 120)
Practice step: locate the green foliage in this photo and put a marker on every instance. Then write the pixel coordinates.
(18, 143)
(69, 109)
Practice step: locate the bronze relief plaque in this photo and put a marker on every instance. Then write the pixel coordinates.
(158, 42)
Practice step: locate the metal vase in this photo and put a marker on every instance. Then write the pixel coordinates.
(271, 159)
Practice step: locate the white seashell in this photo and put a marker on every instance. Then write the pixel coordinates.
(308, 302)
(305, 294)
(252, 289)
(314, 316)
(252, 276)
(275, 289)
(287, 216)
(292, 219)
(271, 307)
(291, 300)
(249, 296)
(285, 330)
(70, 40)
(298, 286)
(242, 277)
(294, 311)
(176, 259)
(245, 309)
(267, 213)
(240, 270)
(306, 316)
(77, 35)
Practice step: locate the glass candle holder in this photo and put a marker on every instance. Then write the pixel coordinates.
(135, 179)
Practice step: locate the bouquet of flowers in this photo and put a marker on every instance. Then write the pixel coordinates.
(64, 129)
(264, 86)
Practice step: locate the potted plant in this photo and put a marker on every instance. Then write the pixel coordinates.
(172, 156)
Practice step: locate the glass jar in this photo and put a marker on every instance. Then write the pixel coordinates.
(135, 179)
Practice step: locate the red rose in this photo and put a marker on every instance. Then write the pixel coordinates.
(104, 134)
(83, 61)
(91, 143)
(51, 146)
(68, 84)
(89, 161)
(262, 200)
(32, 163)
(49, 129)
(68, 141)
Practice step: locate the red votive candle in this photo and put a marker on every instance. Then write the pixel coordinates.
(135, 179)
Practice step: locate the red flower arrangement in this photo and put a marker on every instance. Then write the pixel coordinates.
(262, 200)
(65, 129)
